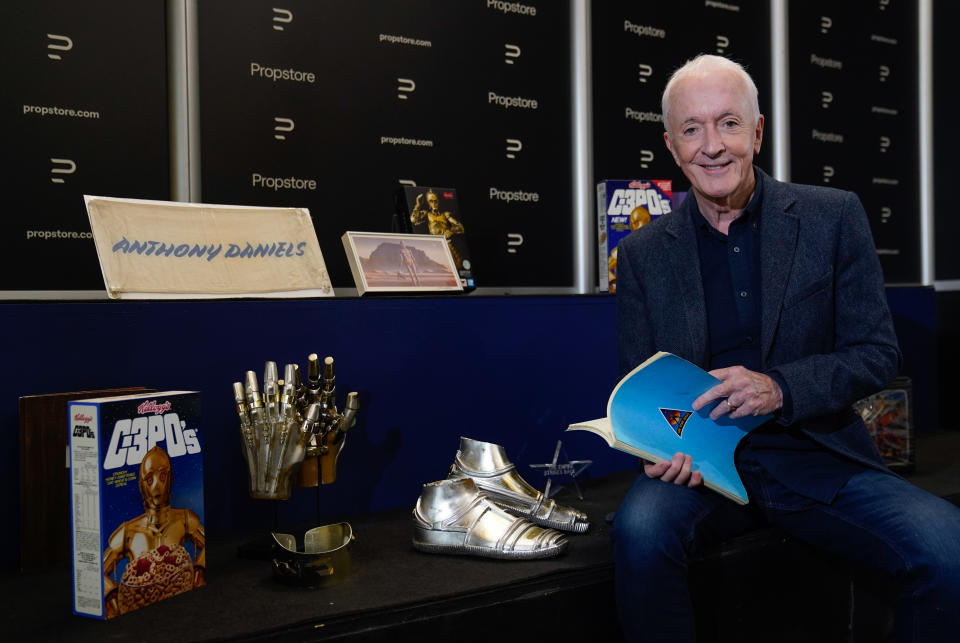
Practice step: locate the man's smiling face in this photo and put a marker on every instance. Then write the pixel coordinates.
(713, 135)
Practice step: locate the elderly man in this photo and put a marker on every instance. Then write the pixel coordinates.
(777, 290)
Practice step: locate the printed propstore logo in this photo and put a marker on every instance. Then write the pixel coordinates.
(726, 6)
(722, 43)
(512, 7)
(46, 235)
(44, 110)
(826, 22)
(61, 166)
(514, 241)
(510, 53)
(281, 17)
(514, 196)
(58, 43)
(644, 30)
(405, 86)
(885, 214)
(826, 137)
(514, 145)
(278, 73)
(825, 63)
(641, 116)
(508, 102)
(825, 99)
(884, 73)
(644, 72)
(404, 40)
(646, 157)
(828, 173)
(283, 125)
(275, 183)
(404, 140)
(884, 143)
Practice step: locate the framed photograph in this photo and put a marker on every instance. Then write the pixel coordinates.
(386, 262)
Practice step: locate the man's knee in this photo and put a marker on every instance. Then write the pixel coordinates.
(653, 516)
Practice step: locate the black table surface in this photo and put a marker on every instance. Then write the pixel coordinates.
(390, 581)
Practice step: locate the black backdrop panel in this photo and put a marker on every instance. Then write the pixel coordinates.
(84, 112)
(637, 46)
(853, 88)
(946, 135)
(347, 99)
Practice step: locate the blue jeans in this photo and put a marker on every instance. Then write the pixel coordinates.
(877, 520)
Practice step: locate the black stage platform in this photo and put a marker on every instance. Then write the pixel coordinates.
(759, 587)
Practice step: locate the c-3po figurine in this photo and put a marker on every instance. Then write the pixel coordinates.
(438, 223)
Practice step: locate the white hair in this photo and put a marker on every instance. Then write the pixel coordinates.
(702, 66)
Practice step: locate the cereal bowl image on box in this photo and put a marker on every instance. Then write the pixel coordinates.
(137, 482)
(155, 575)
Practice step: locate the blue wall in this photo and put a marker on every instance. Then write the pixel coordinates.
(511, 370)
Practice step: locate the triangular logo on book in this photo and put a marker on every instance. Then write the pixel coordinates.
(676, 419)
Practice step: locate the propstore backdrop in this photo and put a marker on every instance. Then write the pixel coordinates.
(636, 48)
(84, 109)
(331, 105)
(853, 109)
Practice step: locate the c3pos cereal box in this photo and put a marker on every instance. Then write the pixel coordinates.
(622, 207)
(136, 478)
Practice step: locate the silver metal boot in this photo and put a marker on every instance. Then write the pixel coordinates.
(454, 517)
(488, 466)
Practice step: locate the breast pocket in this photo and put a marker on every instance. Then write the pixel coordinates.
(817, 290)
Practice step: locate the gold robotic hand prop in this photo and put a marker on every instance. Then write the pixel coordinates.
(292, 432)
(258, 421)
(335, 439)
(331, 437)
(246, 430)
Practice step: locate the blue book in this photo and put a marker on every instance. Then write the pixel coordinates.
(649, 415)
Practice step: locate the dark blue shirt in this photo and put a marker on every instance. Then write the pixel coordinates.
(784, 464)
(730, 265)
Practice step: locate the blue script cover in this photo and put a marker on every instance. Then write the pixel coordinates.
(649, 415)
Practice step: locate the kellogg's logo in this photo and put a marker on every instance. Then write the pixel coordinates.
(82, 419)
(151, 406)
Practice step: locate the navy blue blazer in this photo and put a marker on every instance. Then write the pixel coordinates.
(825, 324)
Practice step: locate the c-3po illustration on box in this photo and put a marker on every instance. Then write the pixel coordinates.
(159, 566)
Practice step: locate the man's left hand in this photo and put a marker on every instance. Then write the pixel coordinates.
(741, 392)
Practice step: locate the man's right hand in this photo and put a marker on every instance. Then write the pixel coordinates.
(676, 470)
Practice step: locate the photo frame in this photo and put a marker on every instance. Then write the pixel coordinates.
(392, 262)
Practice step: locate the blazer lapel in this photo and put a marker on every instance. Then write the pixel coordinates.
(684, 260)
(778, 239)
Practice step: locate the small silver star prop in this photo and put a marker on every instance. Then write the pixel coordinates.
(554, 469)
